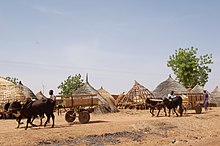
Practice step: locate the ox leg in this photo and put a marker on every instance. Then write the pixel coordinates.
(181, 110)
(31, 122)
(169, 112)
(28, 121)
(174, 109)
(158, 111)
(164, 108)
(152, 111)
(48, 119)
(33, 119)
(19, 121)
(41, 120)
(53, 117)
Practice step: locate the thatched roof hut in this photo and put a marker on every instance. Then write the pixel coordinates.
(196, 95)
(10, 92)
(103, 107)
(215, 96)
(197, 89)
(26, 91)
(135, 96)
(40, 95)
(109, 99)
(119, 98)
(165, 88)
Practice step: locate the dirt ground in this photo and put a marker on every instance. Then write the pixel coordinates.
(128, 127)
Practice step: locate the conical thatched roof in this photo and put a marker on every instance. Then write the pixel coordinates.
(165, 88)
(197, 89)
(109, 99)
(104, 107)
(136, 95)
(26, 91)
(119, 98)
(40, 95)
(215, 96)
(10, 91)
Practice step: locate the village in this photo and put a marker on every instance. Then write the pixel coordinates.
(127, 110)
(109, 73)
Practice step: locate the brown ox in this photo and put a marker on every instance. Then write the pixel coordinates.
(155, 104)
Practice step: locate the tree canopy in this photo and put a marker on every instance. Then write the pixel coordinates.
(189, 69)
(12, 79)
(70, 85)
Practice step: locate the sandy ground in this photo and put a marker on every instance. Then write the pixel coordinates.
(128, 127)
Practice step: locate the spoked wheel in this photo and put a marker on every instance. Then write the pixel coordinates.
(84, 117)
(198, 109)
(1, 115)
(70, 116)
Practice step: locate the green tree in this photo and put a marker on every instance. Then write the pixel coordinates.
(12, 79)
(190, 69)
(70, 85)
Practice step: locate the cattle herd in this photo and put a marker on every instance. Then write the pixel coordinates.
(45, 107)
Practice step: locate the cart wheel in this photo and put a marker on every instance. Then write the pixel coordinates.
(84, 117)
(70, 116)
(198, 109)
(1, 115)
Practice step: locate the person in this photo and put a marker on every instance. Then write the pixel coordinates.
(206, 98)
(171, 95)
(52, 96)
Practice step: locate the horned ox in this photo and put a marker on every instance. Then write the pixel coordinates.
(38, 107)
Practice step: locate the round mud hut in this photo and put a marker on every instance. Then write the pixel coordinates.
(109, 99)
(215, 96)
(103, 106)
(197, 89)
(165, 88)
(10, 92)
(196, 95)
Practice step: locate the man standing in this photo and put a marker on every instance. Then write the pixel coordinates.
(206, 99)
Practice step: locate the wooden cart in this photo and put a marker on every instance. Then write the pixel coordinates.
(196, 100)
(80, 106)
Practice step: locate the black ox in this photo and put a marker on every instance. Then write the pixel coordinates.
(31, 109)
(173, 104)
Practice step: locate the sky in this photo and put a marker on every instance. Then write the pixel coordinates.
(115, 41)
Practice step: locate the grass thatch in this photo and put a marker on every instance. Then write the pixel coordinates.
(215, 96)
(40, 95)
(165, 88)
(109, 99)
(197, 89)
(104, 106)
(119, 98)
(10, 92)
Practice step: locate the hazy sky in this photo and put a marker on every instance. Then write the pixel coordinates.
(42, 42)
